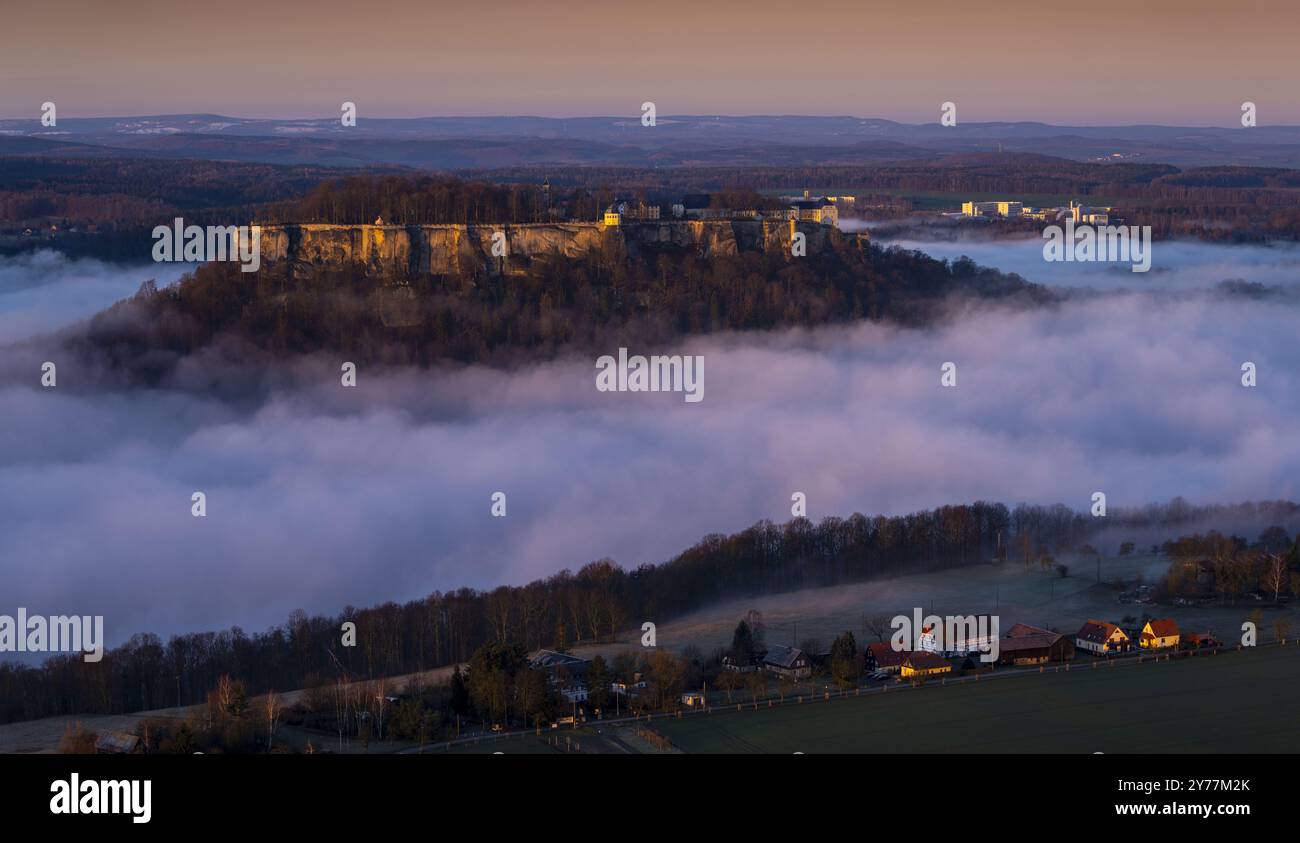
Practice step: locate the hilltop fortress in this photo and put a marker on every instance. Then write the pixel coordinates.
(421, 250)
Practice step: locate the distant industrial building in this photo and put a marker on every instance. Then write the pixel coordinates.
(992, 209)
(1001, 209)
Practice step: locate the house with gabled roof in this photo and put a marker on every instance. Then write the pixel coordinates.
(566, 673)
(789, 662)
(881, 656)
(116, 743)
(1158, 634)
(1031, 645)
(922, 663)
(1102, 638)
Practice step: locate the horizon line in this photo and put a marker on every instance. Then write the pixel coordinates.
(637, 117)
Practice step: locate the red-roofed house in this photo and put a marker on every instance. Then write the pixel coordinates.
(1102, 638)
(881, 656)
(1159, 633)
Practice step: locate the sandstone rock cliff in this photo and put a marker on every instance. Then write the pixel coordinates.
(421, 250)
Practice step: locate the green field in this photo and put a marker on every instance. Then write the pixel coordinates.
(1232, 702)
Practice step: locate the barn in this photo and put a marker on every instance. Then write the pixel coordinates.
(1031, 645)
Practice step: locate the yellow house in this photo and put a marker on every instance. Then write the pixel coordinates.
(925, 664)
(1158, 634)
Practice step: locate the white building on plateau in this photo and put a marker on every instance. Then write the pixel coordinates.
(816, 210)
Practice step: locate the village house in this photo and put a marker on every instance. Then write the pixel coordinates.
(787, 662)
(638, 687)
(925, 664)
(1158, 633)
(881, 656)
(1102, 638)
(566, 674)
(736, 665)
(1031, 645)
(975, 638)
(116, 743)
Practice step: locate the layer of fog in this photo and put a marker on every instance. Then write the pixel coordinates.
(44, 290)
(1175, 264)
(324, 496)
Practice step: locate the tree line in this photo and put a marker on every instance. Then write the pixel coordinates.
(567, 609)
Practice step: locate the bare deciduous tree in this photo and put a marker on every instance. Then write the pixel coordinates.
(272, 708)
(877, 625)
(1275, 573)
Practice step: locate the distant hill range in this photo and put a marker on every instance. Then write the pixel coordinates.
(457, 143)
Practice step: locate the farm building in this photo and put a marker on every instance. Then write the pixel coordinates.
(1199, 640)
(566, 674)
(789, 662)
(116, 743)
(730, 663)
(881, 656)
(1102, 638)
(1158, 633)
(1029, 645)
(925, 664)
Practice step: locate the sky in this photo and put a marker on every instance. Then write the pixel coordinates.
(1183, 62)
(320, 496)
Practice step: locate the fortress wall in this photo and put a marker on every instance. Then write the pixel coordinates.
(457, 249)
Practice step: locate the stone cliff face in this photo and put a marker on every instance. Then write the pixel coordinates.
(419, 250)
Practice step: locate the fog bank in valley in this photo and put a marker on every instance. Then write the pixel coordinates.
(44, 290)
(321, 496)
